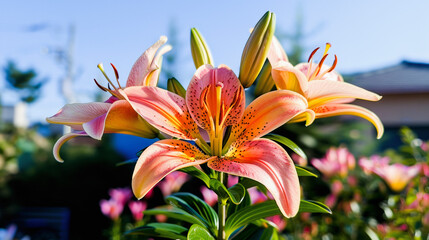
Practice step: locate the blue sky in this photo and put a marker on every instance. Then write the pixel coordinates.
(365, 35)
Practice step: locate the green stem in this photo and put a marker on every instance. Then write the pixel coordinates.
(221, 212)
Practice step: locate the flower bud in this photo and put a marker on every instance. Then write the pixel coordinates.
(200, 50)
(174, 86)
(256, 50)
(264, 81)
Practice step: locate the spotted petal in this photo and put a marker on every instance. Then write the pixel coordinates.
(160, 159)
(268, 163)
(322, 92)
(202, 101)
(164, 110)
(329, 110)
(267, 113)
(145, 70)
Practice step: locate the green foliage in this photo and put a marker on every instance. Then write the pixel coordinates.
(23, 81)
(198, 232)
(165, 230)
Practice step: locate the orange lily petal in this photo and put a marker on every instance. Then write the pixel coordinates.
(149, 61)
(330, 110)
(267, 113)
(268, 163)
(62, 140)
(162, 109)
(79, 113)
(202, 96)
(322, 92)
(288, 77)
(162, 158)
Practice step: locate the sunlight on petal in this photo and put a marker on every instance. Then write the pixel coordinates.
(330, 110)
(164, 110)
(287, 77)
(268, 163)
(160, 159)
(79, 113)
(63, 140)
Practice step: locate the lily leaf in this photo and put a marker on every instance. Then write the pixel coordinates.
(244, 203)
(249, 214)
(165, 230)
(196, 207)
(255, 232)
(129, 161)
(198, 232)
(313, 207)
(248, 183)
(235, 193)
(304, 172)
(287, 142)
(175, 213)
(197, 173)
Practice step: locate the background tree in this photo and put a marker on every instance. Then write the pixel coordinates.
(24, 82)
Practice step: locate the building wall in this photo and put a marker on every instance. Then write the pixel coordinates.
(401, 109)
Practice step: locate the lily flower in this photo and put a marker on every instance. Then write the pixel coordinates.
(397, 176)
(325, 90)
(214, 103)
(337, 161)
(114, 115)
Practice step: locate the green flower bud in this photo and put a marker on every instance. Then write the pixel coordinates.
(200, 51)
(264, 81)
(256, 50)
(174, 86)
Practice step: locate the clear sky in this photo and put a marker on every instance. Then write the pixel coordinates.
(365, 35)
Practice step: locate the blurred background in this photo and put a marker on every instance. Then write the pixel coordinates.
(49, 51)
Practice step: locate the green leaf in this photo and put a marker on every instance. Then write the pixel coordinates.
(248, 183)
(175, 213)
(197, 173)
(304, 172)
(165, 230)
(232, 208)
(129, 161)
(288, 143)
(249, 214)
(196, 207)
(198, 232)
(313, 207)
(255, 232)
(235, 193)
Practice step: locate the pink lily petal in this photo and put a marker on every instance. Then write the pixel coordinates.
(288, 77)
(62, 140)
(268, 163)
(276, 52)
(79, 113)
(321, 92)
(267, 113)
(162, 158)
(201, 96)
(330, 110)
(120, 118)
(146, 64)
(164, 110)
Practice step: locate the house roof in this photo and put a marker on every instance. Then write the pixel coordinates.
(406, 77)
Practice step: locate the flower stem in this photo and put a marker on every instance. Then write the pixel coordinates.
(221, 212)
